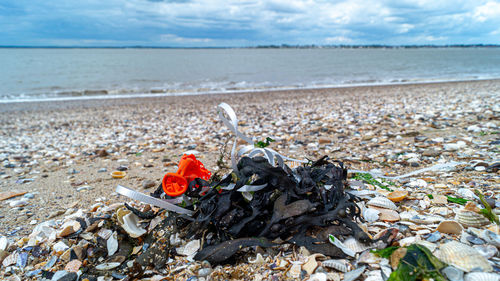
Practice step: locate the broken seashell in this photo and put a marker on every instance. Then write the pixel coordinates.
(471, 206)
(120, 213)
(369, 258)
(68, 228)
(295, 270)
(396, 256)
(112, 244)
(107, 265)
(258, 260)
(190, 248)
(104, 233)
(354, 274)
(73, 266)
(347, 250)
(387, 214)
(382, 202)
(453, 273)
(482, 276)
(130, 222)
(466, 193)
(463, 257)
(370, 214)
(4, 243)
(11, 259)
(488, 251)
(469, 218)
(321, 276)
(450, 227)
(355, 246)
(491, 237)
(340, 265)
(397, 195)
(311, 264)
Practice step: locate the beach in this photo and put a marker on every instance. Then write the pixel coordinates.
(53, 146)
(62, 152)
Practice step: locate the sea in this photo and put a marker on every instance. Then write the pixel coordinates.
(39, 74)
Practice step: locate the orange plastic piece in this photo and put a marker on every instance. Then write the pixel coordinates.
(175, 184)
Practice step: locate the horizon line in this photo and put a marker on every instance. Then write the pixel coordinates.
(270, 46)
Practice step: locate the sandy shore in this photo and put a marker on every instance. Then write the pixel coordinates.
(51, 149)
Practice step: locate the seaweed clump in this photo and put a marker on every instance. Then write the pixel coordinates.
(259, 203)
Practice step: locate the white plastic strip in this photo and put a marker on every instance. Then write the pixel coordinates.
(151, 200)
(232, 124)
(249, 188)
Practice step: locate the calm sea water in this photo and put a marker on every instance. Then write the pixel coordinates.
(40, 74)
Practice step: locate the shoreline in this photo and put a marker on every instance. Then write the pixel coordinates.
(103, 101)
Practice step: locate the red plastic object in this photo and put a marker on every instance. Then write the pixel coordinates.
(175, 184)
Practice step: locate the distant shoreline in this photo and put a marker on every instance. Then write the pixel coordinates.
(282, 46)
(149, 95)
(44, 105)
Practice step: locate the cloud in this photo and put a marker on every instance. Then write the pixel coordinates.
(488, 11)
(248, 22)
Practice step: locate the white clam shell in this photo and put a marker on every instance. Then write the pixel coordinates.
(482, 276)
(469, 218)
(463, 257)
(130, 222)
(382, 202)
(340, 265)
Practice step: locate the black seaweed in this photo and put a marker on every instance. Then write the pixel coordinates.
(297, 205)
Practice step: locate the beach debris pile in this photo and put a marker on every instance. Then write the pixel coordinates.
(267, 221)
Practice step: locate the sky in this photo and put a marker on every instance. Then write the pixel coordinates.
(239, 23)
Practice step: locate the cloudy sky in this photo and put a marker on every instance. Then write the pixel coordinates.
(209, 23)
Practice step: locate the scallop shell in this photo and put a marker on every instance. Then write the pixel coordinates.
(463, 257)
(382, 202)
(482, 276)
(340, 265)
(468, 218)
(370, 214)
(356, 246)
